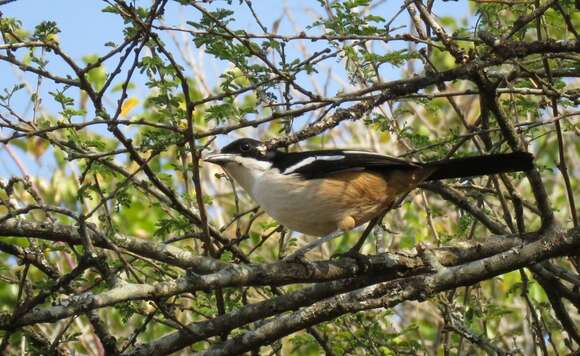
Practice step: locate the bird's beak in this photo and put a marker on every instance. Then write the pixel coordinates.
(219, 158)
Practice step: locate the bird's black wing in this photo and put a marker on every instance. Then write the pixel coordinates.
(320, 164)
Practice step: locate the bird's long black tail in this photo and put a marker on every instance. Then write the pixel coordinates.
(481, 165)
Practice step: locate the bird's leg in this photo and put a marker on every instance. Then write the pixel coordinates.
(298, 255)
(354, 252)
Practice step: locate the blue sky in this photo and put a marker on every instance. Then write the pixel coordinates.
(85, 30)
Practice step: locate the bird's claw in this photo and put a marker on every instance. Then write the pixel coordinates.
(362, 261)
(301, 259)
(429, 258)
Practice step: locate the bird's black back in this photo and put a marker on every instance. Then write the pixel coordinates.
(320, 164)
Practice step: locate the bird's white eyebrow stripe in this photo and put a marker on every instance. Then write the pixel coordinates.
(293, 168)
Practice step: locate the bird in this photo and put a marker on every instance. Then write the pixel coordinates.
(321, 192)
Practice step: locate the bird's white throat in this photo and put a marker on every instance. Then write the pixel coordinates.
(247, 171)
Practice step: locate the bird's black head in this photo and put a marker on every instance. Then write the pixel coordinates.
(246, 147)
(243, 147)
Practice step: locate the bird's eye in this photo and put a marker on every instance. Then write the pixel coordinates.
(245, 147)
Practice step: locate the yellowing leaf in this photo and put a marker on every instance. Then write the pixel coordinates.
(128, 105)
(37, 147)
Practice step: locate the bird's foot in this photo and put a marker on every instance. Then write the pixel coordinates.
(299, 257)
(429, 258)
(362, 261)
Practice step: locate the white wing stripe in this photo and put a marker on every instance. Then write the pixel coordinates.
(293, 168)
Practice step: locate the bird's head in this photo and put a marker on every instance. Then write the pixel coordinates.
(244, 159)
(244, 151)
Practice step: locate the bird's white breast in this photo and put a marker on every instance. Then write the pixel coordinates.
(295, 203)
(284, 197)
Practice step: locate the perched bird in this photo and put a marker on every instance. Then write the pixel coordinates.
(319, 192)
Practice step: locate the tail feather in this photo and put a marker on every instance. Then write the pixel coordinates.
(481, 165)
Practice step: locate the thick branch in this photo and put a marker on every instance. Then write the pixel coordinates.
(391, 293)
(278, 273)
